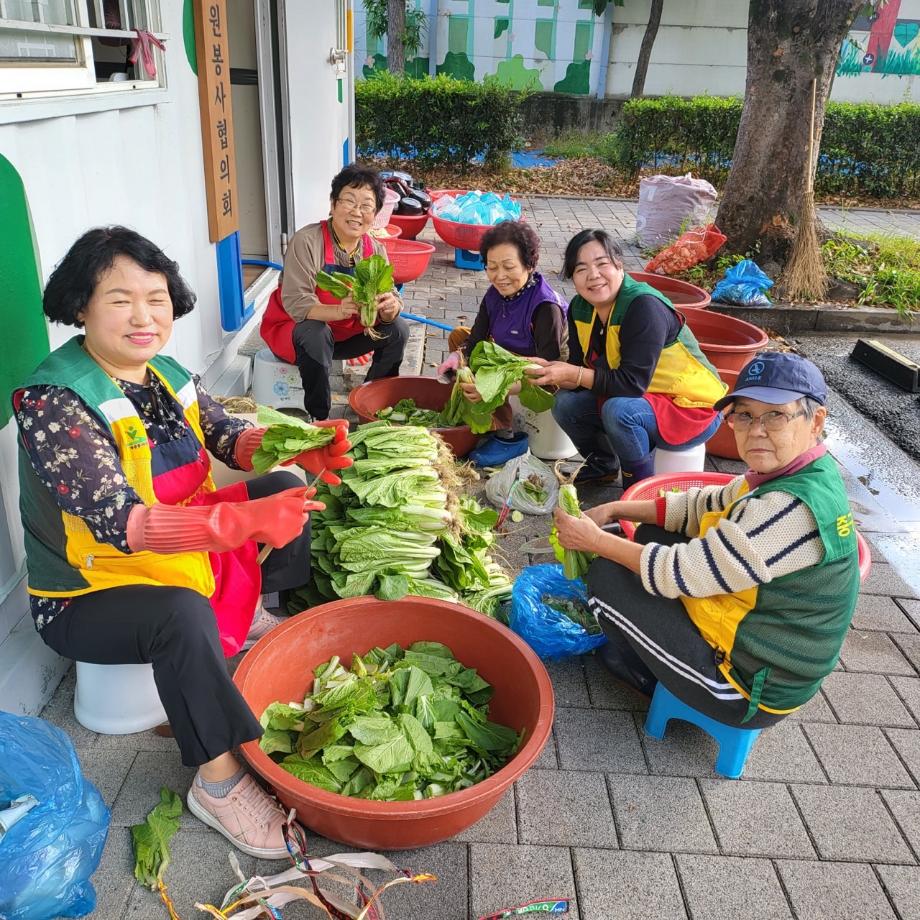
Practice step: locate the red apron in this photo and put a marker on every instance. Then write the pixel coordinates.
(180, 469)
(277, 329)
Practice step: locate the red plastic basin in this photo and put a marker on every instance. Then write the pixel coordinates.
(280, 667)
(682, 294)
(727, 342)
(441, 192)
(410, 224)
(369, 398)
(460, 236)
(393, 231)
(409, 258)
(722, 443)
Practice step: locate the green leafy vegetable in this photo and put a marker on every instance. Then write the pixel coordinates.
(574, 610)
(285, 438)
(406, 412)
(575, 563)
(373, 276)
(426, 734)
(151, 840)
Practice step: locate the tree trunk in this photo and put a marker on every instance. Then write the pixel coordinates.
(396, 28)
(790, 43)
(645, 52)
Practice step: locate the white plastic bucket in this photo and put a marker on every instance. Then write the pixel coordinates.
(390, 200)
(546, 439)
(689, 460)
(117, 699)
(276, 383)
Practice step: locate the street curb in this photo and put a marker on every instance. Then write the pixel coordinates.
(787, 318)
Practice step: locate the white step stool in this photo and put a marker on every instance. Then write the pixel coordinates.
(117, 699)
(276, 383)
(546, 439)
(689, 460)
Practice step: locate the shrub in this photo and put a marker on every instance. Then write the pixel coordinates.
(866, 148)
(437, 120)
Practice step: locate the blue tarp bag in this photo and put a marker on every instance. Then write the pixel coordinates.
(549, 632)
(53, 824)
(744, 284)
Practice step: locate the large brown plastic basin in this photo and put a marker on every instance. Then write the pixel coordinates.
(722, 443)
(369, 398)
(727, 342)
(280, 667)
(682, 294)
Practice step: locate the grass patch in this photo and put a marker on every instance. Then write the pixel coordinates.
(576, 144)
(886, 269)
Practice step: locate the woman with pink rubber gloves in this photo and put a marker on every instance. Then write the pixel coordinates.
(133, 555)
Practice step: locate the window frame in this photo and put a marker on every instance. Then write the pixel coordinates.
(42, 78)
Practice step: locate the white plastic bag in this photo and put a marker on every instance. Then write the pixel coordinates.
(667, 203)
(511, 478)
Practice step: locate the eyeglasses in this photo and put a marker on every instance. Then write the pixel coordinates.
(350, 204)
(774, 420)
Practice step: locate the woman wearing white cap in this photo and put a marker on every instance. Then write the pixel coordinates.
(737, 597)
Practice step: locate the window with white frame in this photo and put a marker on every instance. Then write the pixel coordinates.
(51, 46)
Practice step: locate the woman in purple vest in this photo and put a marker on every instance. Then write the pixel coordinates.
(520, 312)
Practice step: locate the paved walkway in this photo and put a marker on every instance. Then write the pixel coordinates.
(824, 824)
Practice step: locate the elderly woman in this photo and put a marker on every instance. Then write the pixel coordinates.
(737, 597)
(133, 556)
(306, 326)
(635, 378)
(520, 312)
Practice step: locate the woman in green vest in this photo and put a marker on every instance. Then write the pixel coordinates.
(635, 377)
(737, 597)
(133, 555)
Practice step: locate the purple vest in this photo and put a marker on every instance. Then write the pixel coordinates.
(511, 321)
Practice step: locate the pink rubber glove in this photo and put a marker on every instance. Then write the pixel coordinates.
(274, 520)
(247, 443)
(448, 367)
(323, 461)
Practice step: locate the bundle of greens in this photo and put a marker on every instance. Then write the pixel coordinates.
(285, 439)
(373, 276)
(395, 526)
(151, 844)
(454, 412)
(532, 487)
(496, 371)
(398, 725)
(574, 562)
(575, 610)
(406, 412)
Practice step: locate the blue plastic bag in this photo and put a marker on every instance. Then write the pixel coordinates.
(550, 633)
(744, 284)
(48, 855)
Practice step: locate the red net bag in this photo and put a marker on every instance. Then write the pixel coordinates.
(690, 248)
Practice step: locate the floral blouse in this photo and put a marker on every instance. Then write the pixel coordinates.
(74, 455)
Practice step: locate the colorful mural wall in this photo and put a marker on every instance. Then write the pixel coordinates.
(554, 45)
(886, 43)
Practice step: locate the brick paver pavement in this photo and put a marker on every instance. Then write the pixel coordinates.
(824, 824)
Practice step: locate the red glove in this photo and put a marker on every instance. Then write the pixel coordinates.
(247, 443)
(274, 520)
(321, 461)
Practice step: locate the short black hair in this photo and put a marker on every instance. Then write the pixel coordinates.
(354, 176)
(518, 234)
(74, 280)
(611, 246)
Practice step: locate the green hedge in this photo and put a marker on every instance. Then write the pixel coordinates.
(437, 120)
(866, 148)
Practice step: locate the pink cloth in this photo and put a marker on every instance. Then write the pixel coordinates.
(758, 479)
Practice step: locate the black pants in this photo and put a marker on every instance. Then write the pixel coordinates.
(315, 350)
(175, 630)
(654, 638)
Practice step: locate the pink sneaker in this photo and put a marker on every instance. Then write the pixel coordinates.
(247, 816)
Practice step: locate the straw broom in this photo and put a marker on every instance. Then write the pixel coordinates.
(804, 277)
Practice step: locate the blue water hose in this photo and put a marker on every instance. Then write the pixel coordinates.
(264, 263)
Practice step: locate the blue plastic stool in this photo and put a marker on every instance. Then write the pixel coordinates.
(463, 258)
(734, 743)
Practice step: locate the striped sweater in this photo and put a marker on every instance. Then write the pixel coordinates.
(761, 539)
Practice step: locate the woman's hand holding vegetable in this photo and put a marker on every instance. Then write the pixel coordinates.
(347, 307)
(471, 393)
(559, 374)
(323, 461)
(579, 533)
(388, 306)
